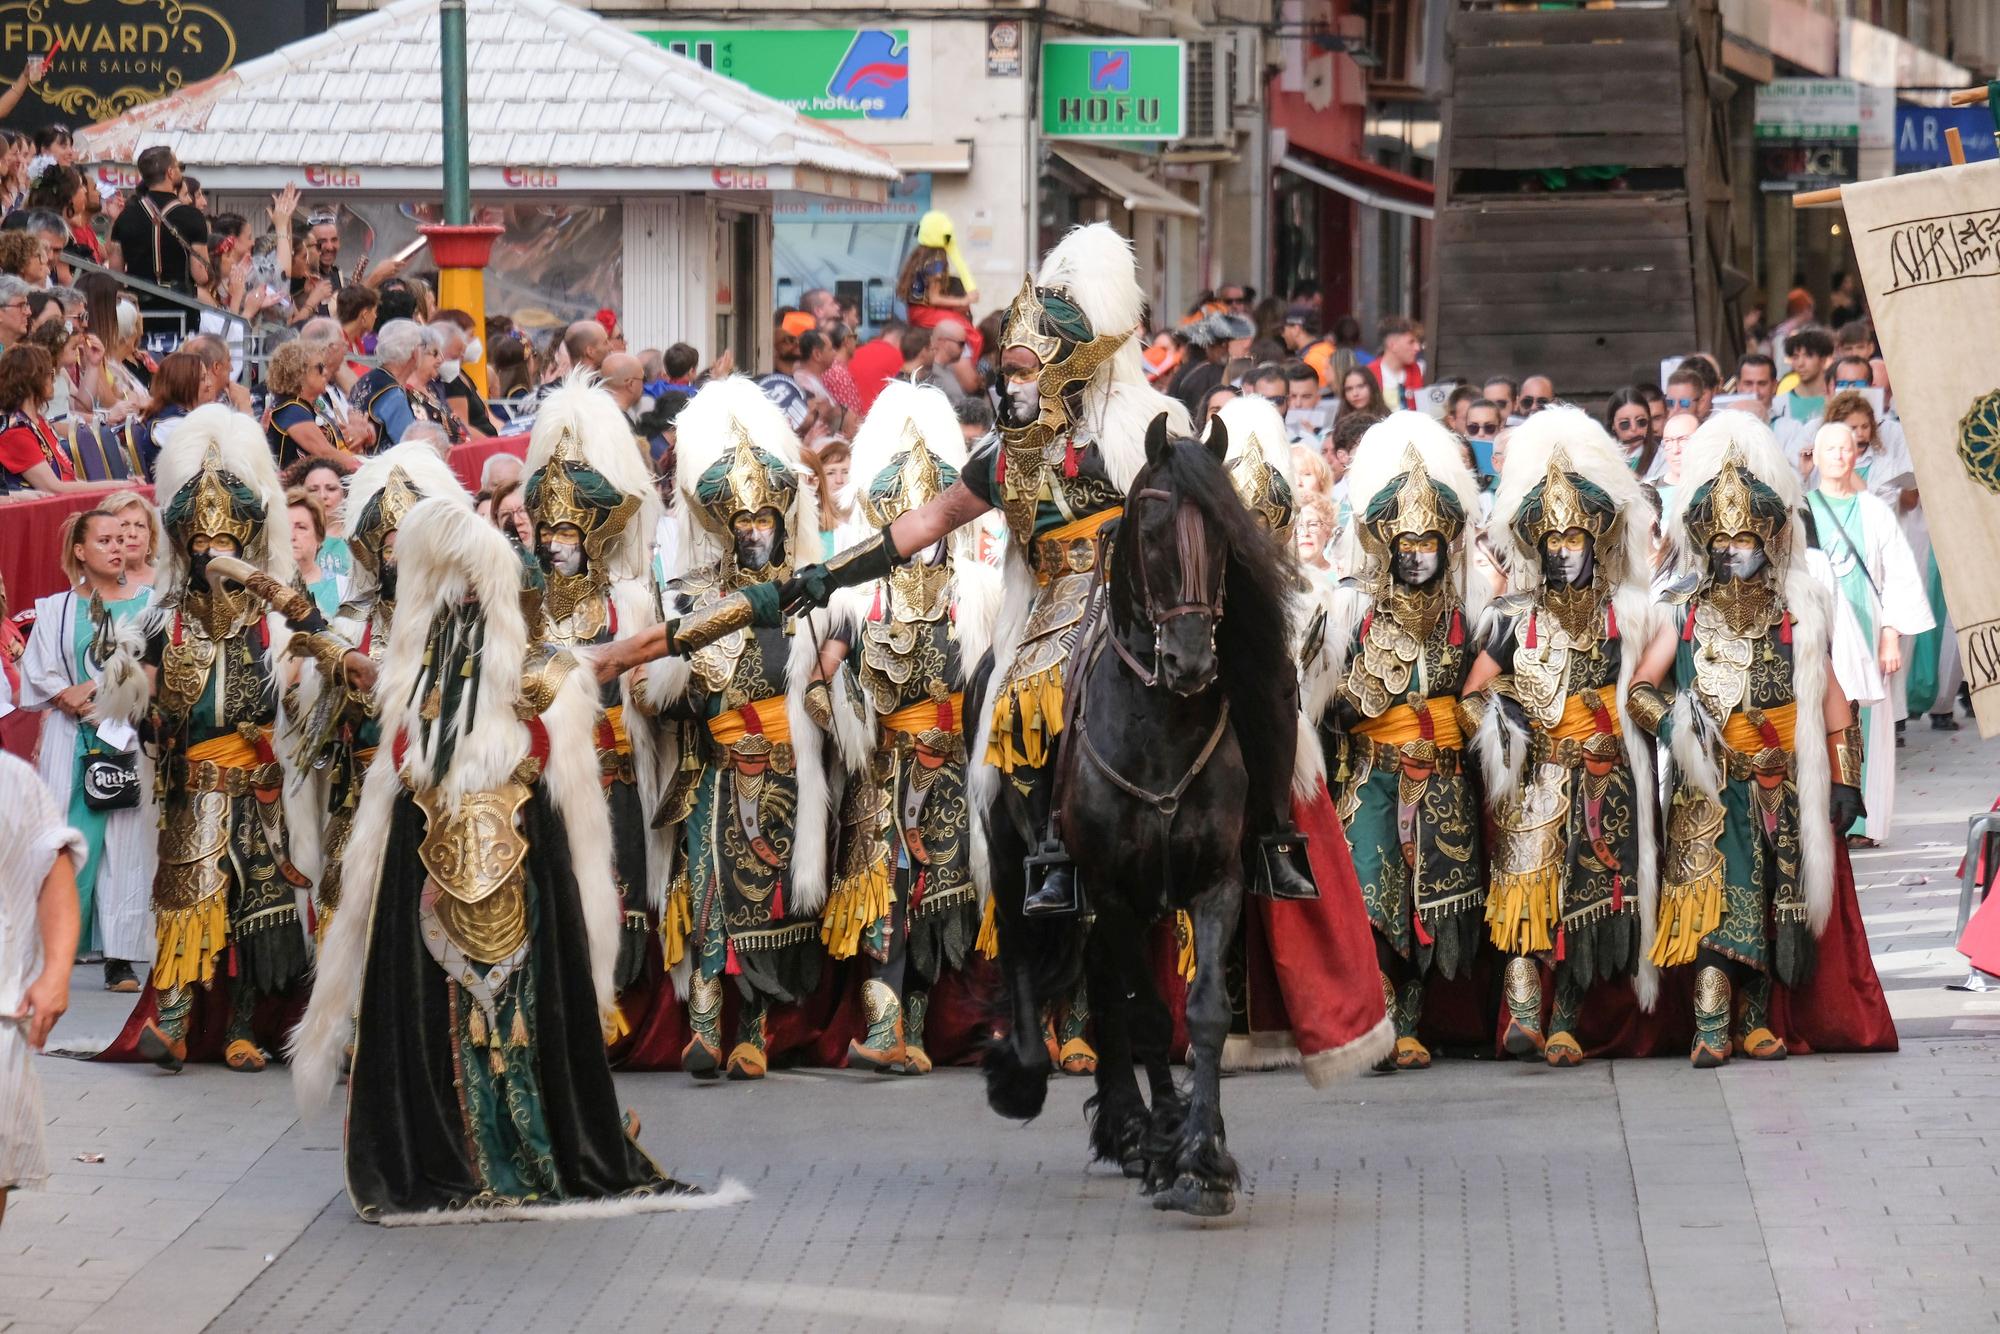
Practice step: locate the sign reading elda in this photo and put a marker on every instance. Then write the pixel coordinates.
(112, 55)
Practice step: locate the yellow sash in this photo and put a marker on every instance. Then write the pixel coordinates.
(923, 716)
(1400, 725)
(730, 726)
(1744, 737)
(228, 751)
(614, 718)
(1579, 720)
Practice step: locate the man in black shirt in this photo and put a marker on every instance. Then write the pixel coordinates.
(163, 240)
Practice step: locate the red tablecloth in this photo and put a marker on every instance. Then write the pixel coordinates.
(29, 532)
(467, 459)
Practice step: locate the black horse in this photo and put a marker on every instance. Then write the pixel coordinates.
(1154, 801)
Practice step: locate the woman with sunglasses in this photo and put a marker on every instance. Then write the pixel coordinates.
(1630, 421)
(295, 428)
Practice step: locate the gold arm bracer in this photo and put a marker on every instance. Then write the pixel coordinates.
(699, 629)
(1646, 705)
(1844, 754)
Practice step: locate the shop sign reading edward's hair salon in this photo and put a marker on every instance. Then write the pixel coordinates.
(111, 55)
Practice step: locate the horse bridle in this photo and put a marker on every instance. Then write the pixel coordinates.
(1200, 593)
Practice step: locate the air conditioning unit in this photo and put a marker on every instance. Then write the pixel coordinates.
(1210, 79)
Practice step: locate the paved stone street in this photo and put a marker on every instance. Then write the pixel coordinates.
(1824, 1193)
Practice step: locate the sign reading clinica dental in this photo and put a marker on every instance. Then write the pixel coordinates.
(1110, 88)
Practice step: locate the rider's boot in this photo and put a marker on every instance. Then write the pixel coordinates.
(1284, 872)
(1522, 989)
(1056, 894)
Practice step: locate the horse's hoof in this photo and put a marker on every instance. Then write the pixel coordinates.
(1190, 1196)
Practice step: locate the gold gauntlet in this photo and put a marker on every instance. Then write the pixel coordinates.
(1845, 748)
(1471, 712)
(699, 629)
(819, 705)
(1645, 705)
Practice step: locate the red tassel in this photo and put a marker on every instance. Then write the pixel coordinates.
(1562, 944)
(1785, 629)
(1000, 468)
(1687, 626)
(917, 893)
(1530, 640)
(1457, 635)
(729, 964)
(367, 636)
(264, 634)
(312, 916)
(612, 608)
(1367, 621)
(1423, 936)
(232, 959)
(778, 901)
(177, 629)
(1617, 893)
(751, 722)
(875, 608)
(400, 747)
(947, 716)
(1610, 621)
(1071, 458)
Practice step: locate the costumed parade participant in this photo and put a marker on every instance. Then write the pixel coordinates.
(890, 689)
(1568, 769)
(749, 807)
(1400, 642)
(591, 498)
(338, 730)
(1765, 749)
(226, 898)
(473, 957)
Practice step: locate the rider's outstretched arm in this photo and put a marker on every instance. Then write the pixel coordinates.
(762, 604)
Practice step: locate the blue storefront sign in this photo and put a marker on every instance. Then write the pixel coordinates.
(1920, 135)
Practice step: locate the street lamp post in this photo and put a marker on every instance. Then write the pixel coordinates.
(460, 246)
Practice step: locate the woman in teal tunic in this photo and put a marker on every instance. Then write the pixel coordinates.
(74, 631)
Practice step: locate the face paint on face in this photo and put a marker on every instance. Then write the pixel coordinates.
(562, 550)
(1735, 556)
(1567, 558)
(1417, 560)
(1023, 400)
(757, 538)
(201, 547)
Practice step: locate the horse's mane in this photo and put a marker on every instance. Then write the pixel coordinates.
(1254, 637)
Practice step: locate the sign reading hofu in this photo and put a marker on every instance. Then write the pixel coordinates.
(1929, 247)
(1111, 89)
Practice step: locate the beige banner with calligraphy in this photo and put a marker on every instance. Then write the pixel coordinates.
(1929, 247)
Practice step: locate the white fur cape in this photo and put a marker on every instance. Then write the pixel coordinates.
(1592, 455)
(1694, 752)
(448, 552)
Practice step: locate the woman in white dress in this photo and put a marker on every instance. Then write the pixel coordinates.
(1877, 577)
(60, 674)
(39, 855)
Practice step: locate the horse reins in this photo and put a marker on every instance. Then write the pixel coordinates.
(1191, 545)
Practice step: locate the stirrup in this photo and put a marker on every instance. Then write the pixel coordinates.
(1043, 899)
(1283, 870)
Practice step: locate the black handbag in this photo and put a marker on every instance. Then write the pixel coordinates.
(110, 780)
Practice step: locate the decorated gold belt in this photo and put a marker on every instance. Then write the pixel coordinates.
(1072, 548)
(1760, 741)
(230, 763)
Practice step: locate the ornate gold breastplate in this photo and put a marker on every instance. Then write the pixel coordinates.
(474, 857)
(184, 669)
(713, 664)
(578, 610)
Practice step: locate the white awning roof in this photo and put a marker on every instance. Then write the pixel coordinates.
(557, 97)
(1139, 193)
(1354, 190)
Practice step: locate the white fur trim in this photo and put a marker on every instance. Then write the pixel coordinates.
(1308, 761)
(853, 711)
(1325, 1068)
(982, 780)
(901, 404)
(123, 690)
(639, 611)
(316, 1045)
(1635, 609)
(1260, 1051)
(731, 1191)
(1811, 607)
(1693, 747)
(573, 782)
(811, 833)
(1502, 747)
(1320, 677)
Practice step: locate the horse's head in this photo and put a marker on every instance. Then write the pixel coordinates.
(1171, 563)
